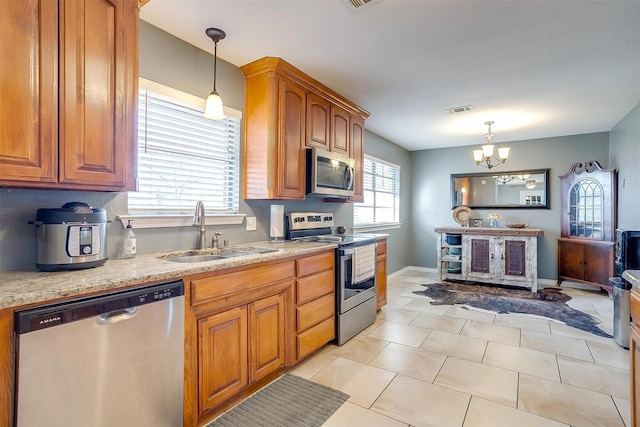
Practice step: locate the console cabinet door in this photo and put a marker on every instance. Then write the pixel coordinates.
(478, 255)
(222, 361)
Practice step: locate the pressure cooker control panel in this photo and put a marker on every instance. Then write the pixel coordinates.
(83, 240)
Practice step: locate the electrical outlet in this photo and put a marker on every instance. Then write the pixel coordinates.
(251, 223)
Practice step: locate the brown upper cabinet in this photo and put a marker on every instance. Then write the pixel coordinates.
(71, 96)
(287, 111)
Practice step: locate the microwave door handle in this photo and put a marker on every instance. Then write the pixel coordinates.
(348, 178)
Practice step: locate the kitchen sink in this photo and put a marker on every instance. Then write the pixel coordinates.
(196, 258)
(205, 255)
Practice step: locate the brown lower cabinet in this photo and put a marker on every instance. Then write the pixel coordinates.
(634, 350)
(246, 325)
(589, 262)
(381, 273)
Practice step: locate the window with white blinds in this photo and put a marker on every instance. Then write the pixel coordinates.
(381, 194)
(184, 157)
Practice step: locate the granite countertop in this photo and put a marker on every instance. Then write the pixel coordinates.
(33, 286)
(633, 277)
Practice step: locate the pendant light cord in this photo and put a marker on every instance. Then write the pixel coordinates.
(215, 62)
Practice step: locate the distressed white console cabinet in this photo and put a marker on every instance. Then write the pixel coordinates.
(505, 256)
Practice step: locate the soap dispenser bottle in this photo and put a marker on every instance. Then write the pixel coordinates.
(127, 247)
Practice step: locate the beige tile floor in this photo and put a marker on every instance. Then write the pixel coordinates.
(450, 366)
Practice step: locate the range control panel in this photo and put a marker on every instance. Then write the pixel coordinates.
(309, 220)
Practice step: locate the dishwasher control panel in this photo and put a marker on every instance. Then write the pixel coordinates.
(47, 316)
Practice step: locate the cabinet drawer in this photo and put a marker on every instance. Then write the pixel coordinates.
(311, 340)
(315, 312)
(314, 264)
(635, 307)
(312, 287)
(227, 283)
(382, 247)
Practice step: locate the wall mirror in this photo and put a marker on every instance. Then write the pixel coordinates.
(524, 189)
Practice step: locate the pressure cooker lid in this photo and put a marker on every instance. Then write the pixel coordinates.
(71, 212)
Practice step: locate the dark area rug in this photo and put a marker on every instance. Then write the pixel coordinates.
(290, 401)
(548, 302)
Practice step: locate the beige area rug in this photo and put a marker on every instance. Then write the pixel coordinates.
(290, 401)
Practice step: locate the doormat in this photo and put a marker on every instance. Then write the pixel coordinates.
(547, 302)
(290, 401)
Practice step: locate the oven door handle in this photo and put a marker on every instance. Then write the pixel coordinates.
(346, 251)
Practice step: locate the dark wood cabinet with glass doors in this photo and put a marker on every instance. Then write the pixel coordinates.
(586, 245)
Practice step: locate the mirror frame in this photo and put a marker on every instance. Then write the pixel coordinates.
(546, 205)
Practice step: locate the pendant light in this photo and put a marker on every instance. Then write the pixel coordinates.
(485, 157)
(213, 108)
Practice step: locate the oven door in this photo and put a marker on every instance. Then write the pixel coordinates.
(356, 276)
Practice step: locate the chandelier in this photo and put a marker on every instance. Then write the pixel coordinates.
(486, 157)
(503, 179)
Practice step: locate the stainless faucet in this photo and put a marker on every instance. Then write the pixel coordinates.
(198, 220)
(215, 242)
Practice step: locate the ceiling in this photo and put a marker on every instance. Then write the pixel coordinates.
(537, 68)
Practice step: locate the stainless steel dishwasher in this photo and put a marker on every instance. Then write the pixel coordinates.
(108, 361)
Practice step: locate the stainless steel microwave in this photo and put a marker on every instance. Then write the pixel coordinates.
(329, 174)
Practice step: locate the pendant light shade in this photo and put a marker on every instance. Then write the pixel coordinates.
(213, 108)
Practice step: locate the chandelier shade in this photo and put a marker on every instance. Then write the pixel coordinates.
(486, 156)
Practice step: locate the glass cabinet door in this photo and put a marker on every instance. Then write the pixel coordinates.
(585, 209)
(588, 195)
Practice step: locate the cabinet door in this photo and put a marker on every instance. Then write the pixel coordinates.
(479, 258)
(339, 131)
(98, 79)
(28, 83)
(634, 349)
(571, 260)
(381, 277)
(318, 121)
(266, 336)
(222, 360)
(290, 155)
(356, 138)
(598, 263)
(514, 258)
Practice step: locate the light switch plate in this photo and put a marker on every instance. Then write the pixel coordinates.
(251, 223)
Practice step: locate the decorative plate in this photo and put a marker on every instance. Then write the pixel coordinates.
(462, 215)
(516, 225)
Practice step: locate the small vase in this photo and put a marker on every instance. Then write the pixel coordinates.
(493, 223)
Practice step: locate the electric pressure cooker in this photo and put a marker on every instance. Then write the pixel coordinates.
(72, 237)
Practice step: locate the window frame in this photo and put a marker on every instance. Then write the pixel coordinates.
(159, 220)
(363, 227)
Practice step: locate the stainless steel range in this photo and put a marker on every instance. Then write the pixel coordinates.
(355, 270)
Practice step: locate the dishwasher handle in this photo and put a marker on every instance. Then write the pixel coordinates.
(116, 316)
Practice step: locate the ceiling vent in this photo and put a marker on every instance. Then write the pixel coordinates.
(461, 109)
(359, 4)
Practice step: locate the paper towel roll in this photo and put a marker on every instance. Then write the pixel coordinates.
(277, 221)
